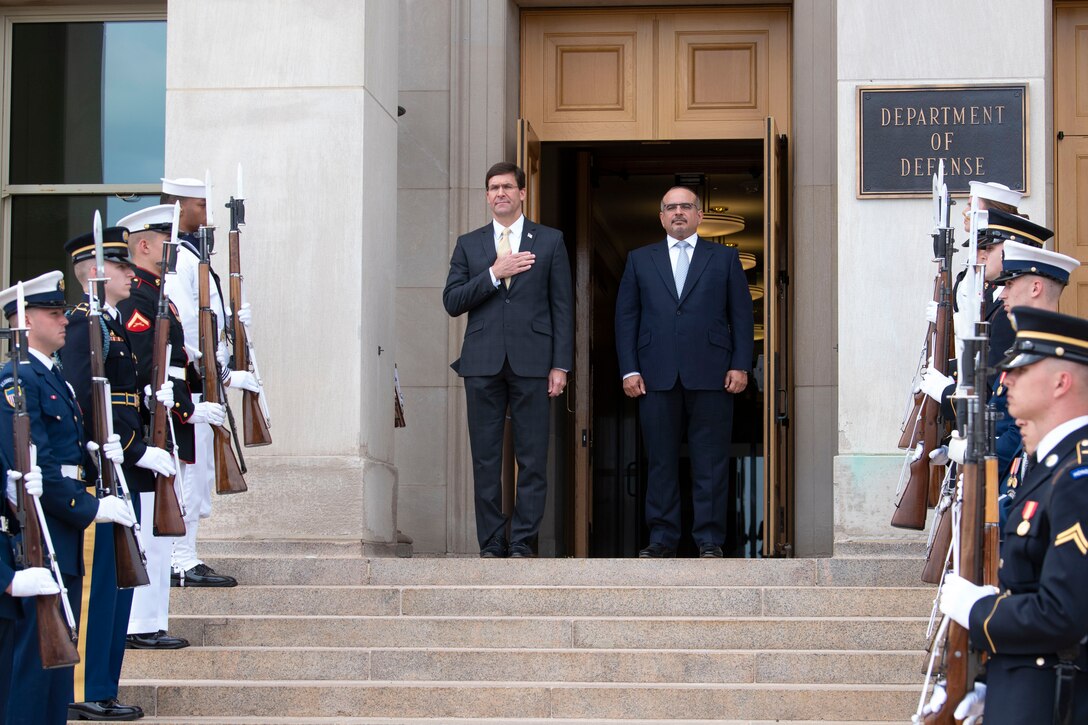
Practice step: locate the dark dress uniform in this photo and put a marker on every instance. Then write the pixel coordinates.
(1035, 628)
(102, 641)
(9, 605)
(1041, 614)
(138, 315)
(56, 428)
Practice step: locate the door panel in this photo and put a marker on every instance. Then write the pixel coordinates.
(1071, 148)
(777, 362)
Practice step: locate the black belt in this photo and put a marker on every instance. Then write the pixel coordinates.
(1064, 688)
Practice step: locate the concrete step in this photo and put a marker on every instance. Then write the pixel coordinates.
(524, 665)
(317, 569)
(845, 633)
(476, 721)
(444, 700)
(500, 601)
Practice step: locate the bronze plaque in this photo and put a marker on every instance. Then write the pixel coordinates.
(904, 132)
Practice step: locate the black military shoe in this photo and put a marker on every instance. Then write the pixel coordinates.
(201, 575)
(495, 548)
(155, 640)
(110, 710)
(521, 550)
(710, 551)
(657, 551)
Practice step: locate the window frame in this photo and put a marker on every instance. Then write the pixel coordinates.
(8, 192)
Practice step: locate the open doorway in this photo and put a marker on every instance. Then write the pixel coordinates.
(605, 197)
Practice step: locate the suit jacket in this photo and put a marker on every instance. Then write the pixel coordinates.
(531, 324)
(56, 429)
(697, 336)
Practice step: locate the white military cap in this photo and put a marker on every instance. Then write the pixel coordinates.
(44, 291)
(1021, 259)
(993, 191)
(186, 187)
(159, 218)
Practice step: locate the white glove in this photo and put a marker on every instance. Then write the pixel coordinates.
(939, 456)
(245, 314)
(931, 312)
(934, 383)
(113, 509)
(222, 355)
(157, 460)
(958, 596)
(971, 706)
(211, 413)
(111, 449)
(957, 447)
(11, 490)
(33, 582)
(164, 395)
(244, 380)
(940, 696)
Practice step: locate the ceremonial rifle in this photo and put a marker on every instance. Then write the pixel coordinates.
(974, 546)
(921, 488)
(56, 635)
(255, 418)
(168, 519)
(128, 554)
(228, 472)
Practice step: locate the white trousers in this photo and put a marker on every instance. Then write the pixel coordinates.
(151, 604)
(199, 482)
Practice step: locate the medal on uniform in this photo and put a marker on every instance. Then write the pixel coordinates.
(1029, 510)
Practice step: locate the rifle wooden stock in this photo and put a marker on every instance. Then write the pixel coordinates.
(228, 473)
(254, 427)
(167, 519)
(939, 348)
(56, 642)
(908, 439)
(131, 571)
(936, 557)
(910, 510)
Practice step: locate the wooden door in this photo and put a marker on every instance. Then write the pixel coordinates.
(1071, 148)
(582, 397)
(777, 361)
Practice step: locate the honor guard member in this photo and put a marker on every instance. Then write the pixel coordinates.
(56, 430)
(1034, 627)
(14, 584)
(149, 229)
(106, 609)
(183, 289)
(1032, 277)
(997, 227)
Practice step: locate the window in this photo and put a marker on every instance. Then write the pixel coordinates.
(86, 131)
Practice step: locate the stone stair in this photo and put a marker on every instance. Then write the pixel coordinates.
(318, 634)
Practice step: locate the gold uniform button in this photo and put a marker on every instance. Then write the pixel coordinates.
(1040, 661)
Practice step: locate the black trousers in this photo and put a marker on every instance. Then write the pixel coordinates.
(707, 415)
(487, 400)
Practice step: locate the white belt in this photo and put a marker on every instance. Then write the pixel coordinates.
(75, 472)
(176, 372)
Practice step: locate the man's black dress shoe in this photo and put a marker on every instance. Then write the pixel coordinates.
(657, 551)
(104, 710)
(495, 548)
(155, 640)
(710, 551)
(201, 575)
(521, 550)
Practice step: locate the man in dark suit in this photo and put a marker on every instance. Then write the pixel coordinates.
(684, 337)
(512, 277)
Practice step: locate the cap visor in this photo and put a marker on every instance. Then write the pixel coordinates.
(1019, 360)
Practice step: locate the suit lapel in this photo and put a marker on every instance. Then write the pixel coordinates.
(699, 258)
(659, 253)
(528, 241)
